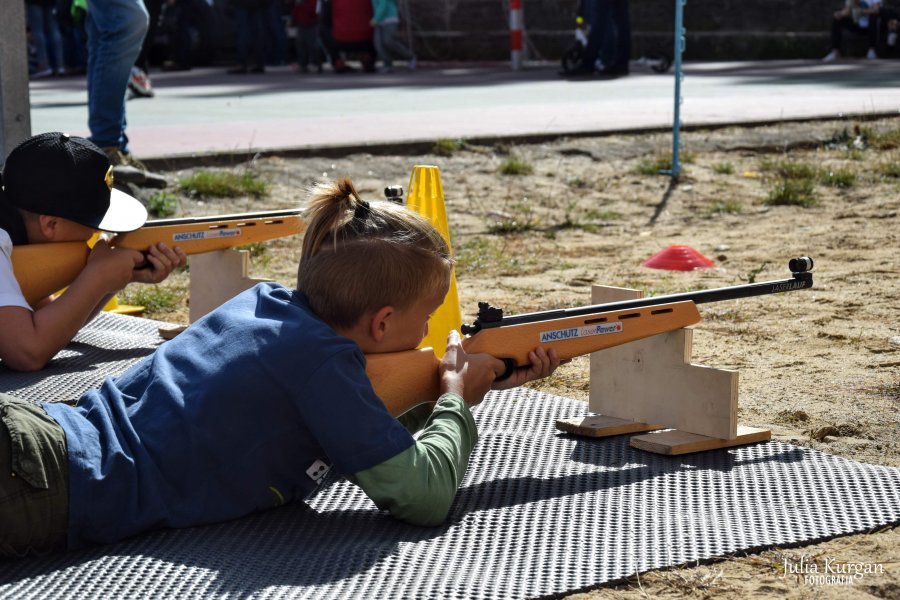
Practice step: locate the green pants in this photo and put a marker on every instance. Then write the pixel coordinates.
(34, 480)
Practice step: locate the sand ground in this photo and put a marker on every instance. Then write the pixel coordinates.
(820, 367)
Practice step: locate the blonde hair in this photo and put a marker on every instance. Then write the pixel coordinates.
(359, 256)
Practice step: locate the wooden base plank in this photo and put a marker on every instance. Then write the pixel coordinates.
(676, 442)
(602, 426)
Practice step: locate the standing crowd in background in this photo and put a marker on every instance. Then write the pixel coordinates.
(306, 34)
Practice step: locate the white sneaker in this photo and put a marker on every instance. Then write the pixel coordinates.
(139, 83)
(832, 56)
(871, 55)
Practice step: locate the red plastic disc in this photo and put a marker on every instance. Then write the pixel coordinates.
(678, 257)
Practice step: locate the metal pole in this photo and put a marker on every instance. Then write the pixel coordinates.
(678, 50)
(15, 109)
(516, 25)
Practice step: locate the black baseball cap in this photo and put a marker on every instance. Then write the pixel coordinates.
(70, 177)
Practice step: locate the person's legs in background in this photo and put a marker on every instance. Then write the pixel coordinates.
(616, 51)
(392, 46)
(381, 52)
(116, 30)
(276, 34)
(139, 83)
(74, 37)
(595, 17)
(307, 48)
(34, 14)
(242, 25)
(257, 41)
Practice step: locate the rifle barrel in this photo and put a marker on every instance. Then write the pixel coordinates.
(266, 214)
(800, 280)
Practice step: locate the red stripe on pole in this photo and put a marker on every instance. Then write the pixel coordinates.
(515, 4)
(515, 40)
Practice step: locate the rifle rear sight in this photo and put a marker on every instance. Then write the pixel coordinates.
(491, 316)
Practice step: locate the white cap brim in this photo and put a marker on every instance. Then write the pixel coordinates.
(126, 213)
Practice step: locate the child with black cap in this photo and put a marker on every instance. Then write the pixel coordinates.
(59, 188)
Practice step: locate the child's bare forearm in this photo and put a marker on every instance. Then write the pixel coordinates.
(31, 339)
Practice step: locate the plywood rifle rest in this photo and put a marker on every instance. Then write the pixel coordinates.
(652, 385)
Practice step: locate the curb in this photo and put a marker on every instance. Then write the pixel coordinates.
(418, 147)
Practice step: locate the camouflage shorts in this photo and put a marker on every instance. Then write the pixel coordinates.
(34, 480)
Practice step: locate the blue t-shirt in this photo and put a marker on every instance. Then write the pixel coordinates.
(246, 409)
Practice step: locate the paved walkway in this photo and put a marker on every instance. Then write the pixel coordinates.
(207, 111)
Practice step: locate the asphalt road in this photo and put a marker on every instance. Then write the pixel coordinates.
(207, 111)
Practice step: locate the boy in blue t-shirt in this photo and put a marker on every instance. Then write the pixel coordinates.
(256, 403)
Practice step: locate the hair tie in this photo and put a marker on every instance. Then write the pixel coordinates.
(361, 212)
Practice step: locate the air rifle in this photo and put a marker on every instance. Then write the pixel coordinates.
(406, 379)
(42, 269)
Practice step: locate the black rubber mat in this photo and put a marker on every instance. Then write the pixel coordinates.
(106, 346)
(539, 513)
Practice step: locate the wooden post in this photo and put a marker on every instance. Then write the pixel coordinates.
(217, 277)
(15, 117)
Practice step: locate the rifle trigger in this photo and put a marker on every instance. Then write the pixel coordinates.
(510, 369)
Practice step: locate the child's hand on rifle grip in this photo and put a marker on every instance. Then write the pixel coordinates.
(160, 262)
(472, 375)
(111, 268)
(469, 375)
(543, 364)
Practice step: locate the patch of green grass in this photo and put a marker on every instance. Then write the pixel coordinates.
(224, 184)
(513, 224)
(792, 192)
(447, 146)
(162, 204)
(751, 276)
(725, 168)
(154, 298)
(788, 169)
(841, 178)
(484, 255)
(889, 169)
(855, 154)
(883, 140)
(603, 215)
(653, 165)
(259, 253)
(726, 207)
(516, 166)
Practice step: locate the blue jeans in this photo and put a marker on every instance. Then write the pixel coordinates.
(610, 35)
(386, 45)
(250, 28)
(47, 38)
(115, 31)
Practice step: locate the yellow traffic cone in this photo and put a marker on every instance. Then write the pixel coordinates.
(426, 197)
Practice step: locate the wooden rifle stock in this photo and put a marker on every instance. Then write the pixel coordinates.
(42, 269)
(404, 380)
